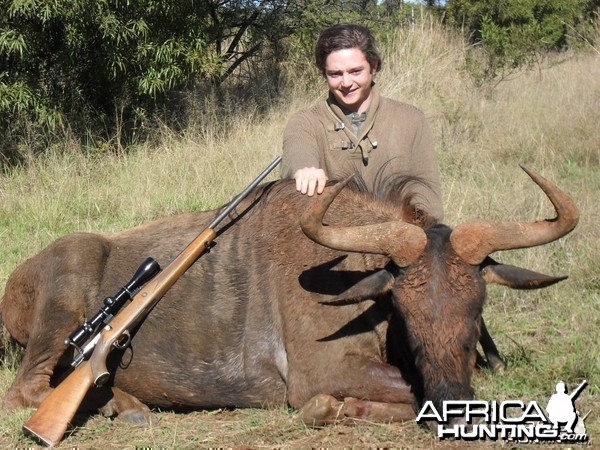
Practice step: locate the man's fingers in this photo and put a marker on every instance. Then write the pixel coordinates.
(312, 184)
(321, 181)
(304, 185)
(310, 180)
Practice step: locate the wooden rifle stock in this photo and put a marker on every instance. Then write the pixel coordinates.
(52, 418)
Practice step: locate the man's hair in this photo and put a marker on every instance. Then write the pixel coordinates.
(343, 36)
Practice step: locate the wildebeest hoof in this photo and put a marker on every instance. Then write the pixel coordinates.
(496, 365)
(136, 417)
(127, 408)
(12, 401)
(321, 410)
(493, 363)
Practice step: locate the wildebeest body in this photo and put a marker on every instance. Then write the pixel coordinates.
(237, 329)
(245, 326)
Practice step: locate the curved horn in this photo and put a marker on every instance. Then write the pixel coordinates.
(473, 241)
(400, 241)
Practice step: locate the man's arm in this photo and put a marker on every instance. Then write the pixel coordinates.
(302, 155)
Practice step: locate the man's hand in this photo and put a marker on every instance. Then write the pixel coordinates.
(310, 179)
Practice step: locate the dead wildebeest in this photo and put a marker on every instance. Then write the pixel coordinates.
(248, 325)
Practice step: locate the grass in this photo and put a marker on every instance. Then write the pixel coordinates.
(547, 119)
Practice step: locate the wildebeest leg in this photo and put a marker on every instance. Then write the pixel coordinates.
(325, 409)
(494, 361)
(110, 402)
(327, 396)
(45, 299)
(32, 383)
(113, 402)
(29, 393)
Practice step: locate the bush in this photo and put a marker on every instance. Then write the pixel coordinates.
(510, 34)
(91, 67)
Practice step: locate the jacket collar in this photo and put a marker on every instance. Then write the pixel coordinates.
(340, 116)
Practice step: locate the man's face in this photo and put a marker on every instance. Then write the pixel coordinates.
(349, 76)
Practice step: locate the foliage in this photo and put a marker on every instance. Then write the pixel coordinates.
(509, 34)
(73, 63)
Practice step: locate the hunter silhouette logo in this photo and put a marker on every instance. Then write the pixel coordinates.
(510, 420)
(561, 408)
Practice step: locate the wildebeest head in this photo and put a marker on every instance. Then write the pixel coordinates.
(436, 280)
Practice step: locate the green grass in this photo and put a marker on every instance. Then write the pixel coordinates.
(547, 120)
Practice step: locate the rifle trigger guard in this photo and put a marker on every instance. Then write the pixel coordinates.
(123, 341)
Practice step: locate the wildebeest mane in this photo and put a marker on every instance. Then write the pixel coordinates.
(390, 190)
(397, 189)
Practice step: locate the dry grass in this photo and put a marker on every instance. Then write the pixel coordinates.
(547, 119)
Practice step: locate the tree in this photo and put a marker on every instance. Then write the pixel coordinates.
(512, 33)
(71, 63)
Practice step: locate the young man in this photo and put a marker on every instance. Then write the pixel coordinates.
(355, 130)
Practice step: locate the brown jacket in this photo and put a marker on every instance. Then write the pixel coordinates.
(394, 133)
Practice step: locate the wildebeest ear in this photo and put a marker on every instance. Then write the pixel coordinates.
(370, 287)
(516, 277)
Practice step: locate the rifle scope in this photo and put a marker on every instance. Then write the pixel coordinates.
(144, 273)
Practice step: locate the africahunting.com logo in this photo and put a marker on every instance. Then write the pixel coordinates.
(510, 420)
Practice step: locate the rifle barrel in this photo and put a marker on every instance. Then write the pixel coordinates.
(236, 201)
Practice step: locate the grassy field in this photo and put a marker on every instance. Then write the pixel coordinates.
(546, 118)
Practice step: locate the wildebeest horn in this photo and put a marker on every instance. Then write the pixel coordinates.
(517, 277)
(473, 241)
(400, 241)
(375, 284)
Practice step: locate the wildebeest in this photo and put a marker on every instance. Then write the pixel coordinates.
(367, 317)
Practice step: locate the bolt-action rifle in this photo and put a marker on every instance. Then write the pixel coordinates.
(109, 328)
